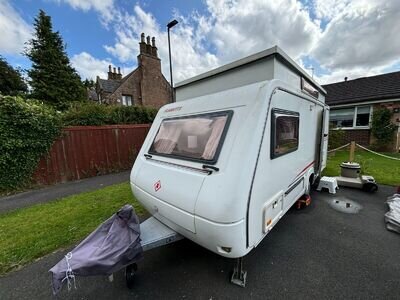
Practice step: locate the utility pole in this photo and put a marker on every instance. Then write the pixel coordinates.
(169, 26)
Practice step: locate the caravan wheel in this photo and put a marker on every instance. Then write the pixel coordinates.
(130, 272)
(370, 187)
(309, 186)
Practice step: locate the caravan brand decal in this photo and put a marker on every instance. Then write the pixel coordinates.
(173, 109)
(157, 186)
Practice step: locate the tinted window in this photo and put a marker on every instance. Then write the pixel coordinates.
(285, 132)
(342, 117)
(363, 116)
(197, 138)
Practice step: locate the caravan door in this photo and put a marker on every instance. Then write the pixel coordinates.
(325, 133)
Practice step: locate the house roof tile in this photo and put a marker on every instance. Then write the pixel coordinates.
(380, 87)
(109, 85)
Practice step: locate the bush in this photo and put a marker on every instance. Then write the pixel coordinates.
(27, 131)
(88, 113)
(336, 138)
(132, 115)
(382, 128)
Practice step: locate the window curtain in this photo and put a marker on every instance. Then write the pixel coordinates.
(167, 137)
(212, 143)
(287, 128)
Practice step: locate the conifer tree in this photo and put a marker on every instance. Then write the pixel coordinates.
(52, 78)
(11, 82)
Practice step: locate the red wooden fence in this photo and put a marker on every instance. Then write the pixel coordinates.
(86, 151)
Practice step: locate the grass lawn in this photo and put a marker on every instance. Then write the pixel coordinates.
(29, 233)
(384, 170)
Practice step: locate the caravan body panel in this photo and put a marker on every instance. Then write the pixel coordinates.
(266, 132)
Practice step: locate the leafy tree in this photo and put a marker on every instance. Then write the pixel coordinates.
(382, 127)
(89, 83)
(11, 82)
(52, 77)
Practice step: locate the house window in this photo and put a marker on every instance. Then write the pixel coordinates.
(126, 100)
(362, 115)
(340, 118)
(285, 132)
(354, 117)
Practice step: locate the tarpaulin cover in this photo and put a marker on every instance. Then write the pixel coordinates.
(112, 246)
(392, 217)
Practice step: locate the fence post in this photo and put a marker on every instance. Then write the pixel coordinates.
(352, 149)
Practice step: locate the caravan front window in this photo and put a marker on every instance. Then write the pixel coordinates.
(284, 132)
(195, 138)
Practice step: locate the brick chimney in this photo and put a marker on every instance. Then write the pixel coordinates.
(146, 47)
(110, 73)
(142, 44)
(148, 53)
(153, 46)
(149, 49)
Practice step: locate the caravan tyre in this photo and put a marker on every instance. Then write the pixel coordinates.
(370, 187)
(314, 184)
(309, 186)
(130, 272)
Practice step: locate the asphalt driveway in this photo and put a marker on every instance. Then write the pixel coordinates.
(316, 253)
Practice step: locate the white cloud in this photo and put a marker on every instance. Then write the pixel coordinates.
(351, 73)
(14, 31)
(189, 55)
(327, 9)
(243, 27)
(345, 37)
(363, 39)
(90, 67)
(234, 30)
(104, 7)
(362, 35)
(125, 48)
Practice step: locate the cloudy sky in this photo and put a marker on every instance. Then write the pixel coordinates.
(331, 38)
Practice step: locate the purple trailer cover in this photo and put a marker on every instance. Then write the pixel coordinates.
(111, 247)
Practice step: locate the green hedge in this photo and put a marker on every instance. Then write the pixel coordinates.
(336, 138)
(27, 131)
(93, 114)
(383, 129)
(28, 128)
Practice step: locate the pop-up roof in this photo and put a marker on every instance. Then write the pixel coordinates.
(269, 64)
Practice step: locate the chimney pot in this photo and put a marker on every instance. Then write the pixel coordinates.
(119, 70)
(153, 41)
(148, 40)
(115, 70)
(109, 74)
(345, 79)
(142, 44)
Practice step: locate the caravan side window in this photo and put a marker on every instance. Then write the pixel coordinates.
(284, 132)
(195, 138)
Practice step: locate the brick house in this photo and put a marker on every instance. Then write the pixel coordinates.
(352, 104)
(146, 85)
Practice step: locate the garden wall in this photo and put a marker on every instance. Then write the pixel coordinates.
(86, 151)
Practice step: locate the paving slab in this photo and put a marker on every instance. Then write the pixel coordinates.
(316, 253)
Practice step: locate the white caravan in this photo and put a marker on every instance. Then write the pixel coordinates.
(241, 144)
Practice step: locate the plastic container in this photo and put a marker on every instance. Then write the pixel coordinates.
(350, 169)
